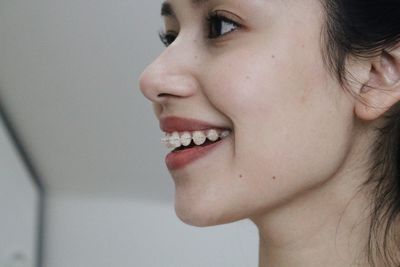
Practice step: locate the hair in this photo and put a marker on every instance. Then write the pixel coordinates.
(363, 29)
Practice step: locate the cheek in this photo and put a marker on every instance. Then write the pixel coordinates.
(235, 85)
(291, 127)
(254, 87)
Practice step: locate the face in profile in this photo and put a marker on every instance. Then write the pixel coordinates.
(253, 69)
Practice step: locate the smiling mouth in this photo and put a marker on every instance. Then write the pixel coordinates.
(189, 140)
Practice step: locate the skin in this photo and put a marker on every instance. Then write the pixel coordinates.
(298, 151)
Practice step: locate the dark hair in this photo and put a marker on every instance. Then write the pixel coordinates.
(365, 28)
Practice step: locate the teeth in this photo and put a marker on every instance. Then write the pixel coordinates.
(186, 138)
(199, 138)
(212, 135)
(166, 141)
(225, 134)
(175, 139)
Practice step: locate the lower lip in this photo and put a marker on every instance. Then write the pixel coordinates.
(180, 159)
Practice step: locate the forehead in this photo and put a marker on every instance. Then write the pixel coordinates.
(167, 8)
(265, 12)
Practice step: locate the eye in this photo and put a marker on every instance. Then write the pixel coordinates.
(219, 25)
(167, 38)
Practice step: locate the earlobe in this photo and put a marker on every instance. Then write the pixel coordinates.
(382, 90)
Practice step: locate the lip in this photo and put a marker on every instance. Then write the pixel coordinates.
(180, 159)
(178, 124)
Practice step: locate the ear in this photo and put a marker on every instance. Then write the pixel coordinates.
(382, 90)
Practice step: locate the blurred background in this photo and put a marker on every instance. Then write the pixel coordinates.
(82, 175)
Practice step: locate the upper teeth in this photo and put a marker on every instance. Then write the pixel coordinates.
(176, 139)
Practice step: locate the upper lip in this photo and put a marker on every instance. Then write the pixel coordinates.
(177, 124)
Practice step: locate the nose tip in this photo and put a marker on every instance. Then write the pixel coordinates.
(159, 84)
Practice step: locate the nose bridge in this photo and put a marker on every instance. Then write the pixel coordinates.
(171, 74)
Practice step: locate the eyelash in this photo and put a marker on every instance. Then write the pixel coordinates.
(168, 38)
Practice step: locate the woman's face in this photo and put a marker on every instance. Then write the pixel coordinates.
(259, 72)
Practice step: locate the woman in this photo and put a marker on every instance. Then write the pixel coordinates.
(285, 112)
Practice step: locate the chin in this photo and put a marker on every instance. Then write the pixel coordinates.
(205, 215)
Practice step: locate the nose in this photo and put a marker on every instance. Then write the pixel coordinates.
(171, 75)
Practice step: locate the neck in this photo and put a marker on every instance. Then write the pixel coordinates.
(326, 226)
(317, 234)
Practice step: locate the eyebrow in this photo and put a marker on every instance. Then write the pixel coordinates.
(168, 11)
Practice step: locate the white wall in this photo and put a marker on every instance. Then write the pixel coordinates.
(18, 208)
(103, 232)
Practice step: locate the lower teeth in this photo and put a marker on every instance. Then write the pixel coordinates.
(191, 145)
